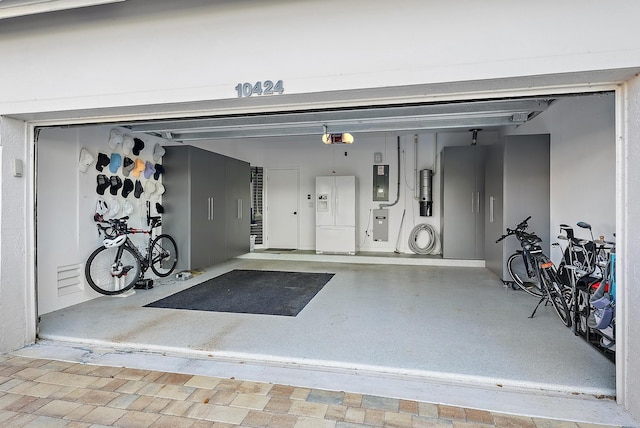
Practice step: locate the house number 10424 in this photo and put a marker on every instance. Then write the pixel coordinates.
(259, 88)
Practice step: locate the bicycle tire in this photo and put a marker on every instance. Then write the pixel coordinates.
(99, 270)
(164, 255)
(557, 298)
(517, 270)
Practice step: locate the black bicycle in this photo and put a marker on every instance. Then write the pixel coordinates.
(541, 279)
(118, 264)
(520, 265)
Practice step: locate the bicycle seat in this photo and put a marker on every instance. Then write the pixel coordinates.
(533, 239)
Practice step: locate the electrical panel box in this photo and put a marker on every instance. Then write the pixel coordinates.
(381, 225)
(381, 182)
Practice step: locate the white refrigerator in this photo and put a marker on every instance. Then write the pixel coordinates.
(336, 214)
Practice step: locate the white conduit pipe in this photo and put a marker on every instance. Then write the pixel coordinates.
(431, 245)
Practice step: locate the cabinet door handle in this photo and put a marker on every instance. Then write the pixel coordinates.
(491, 199)
(212, 209)
(208, 208)
(478, 202)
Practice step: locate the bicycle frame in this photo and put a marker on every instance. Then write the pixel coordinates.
(527, 260)
(543, 264)
(145, 261)
(544, 270)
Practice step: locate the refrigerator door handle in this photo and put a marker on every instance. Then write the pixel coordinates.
(239, 208)
(335, 204)
(478, 202)
(208, 208)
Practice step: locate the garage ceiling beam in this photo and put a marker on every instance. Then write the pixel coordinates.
(492, 113)
(317, 129)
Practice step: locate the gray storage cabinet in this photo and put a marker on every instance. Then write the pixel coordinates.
(237, 207)
(462, 207)
(206, 205)
(516, 186)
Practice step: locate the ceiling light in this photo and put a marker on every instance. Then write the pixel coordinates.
(345, 138)
(328, 138)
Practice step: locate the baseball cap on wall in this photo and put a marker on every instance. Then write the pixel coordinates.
(86, 159)
(138, 146)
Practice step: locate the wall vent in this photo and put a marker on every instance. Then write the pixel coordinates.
(70, 279)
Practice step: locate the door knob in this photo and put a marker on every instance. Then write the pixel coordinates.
(295, 213)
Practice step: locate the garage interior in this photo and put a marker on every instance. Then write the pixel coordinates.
(458, 321)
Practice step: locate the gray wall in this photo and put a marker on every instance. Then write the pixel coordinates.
(583, 163)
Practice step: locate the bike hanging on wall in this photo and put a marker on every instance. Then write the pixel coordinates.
(118, 264)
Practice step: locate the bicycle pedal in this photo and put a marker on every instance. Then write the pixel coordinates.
(124, 271)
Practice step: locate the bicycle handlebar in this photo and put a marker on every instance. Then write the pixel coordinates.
(523, 224)
(520, 228)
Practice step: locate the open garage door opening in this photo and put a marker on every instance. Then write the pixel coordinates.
(440, 314)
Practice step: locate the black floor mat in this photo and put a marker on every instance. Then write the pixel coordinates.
(250, 292)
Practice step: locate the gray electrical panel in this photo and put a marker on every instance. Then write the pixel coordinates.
(381, 225)
(381, 182)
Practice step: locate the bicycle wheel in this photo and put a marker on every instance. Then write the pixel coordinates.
(164, 255)
(109, 275)
(518, 271)
(557, 297)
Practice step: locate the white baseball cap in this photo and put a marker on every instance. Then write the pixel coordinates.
(86, 159)
(115, 139)
(127, 207)
(158, 152)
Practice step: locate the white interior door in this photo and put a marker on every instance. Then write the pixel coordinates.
(282, 208)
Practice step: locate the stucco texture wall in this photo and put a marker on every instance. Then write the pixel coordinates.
(162, 51)
(629, 250)
(15, 295)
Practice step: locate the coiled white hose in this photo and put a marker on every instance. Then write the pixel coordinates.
(431, 245)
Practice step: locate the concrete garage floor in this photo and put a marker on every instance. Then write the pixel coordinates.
(398, 328)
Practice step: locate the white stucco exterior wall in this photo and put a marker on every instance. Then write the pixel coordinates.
(162, 51)
(628, 248)
(16, 280)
